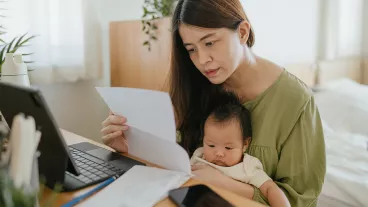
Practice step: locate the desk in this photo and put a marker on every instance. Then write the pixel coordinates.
(62, 198)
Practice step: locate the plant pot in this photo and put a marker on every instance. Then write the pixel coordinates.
(14, 70)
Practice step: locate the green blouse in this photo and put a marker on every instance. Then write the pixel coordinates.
(288, 139)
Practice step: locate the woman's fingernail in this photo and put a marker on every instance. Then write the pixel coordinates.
(125, 127)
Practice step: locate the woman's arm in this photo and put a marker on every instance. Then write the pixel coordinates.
(274, 194)
(302, 161)
(237, 187)
(212, 176)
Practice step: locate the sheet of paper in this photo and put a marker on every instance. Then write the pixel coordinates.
(161, 152)
(141, 186)
(150, 111)
(152, 134)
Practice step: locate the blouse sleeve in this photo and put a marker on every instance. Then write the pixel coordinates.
(301, 168)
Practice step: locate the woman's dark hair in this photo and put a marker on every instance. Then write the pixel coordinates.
(225, 108)
(190, 91)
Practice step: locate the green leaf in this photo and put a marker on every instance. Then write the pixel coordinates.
(25, 41)
(28, 62)
(146, 43)
(2, 53)
(154, 27)
(20, 39)
(27, 54)
(11, 43)
(153, 37)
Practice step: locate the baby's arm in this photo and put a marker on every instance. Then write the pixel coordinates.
(274, 194)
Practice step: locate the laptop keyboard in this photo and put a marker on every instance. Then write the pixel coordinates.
(91, 168)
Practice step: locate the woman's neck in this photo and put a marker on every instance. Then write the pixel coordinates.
(252, 77)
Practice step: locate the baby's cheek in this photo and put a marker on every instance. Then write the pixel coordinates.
(207, 155)
(237, 157)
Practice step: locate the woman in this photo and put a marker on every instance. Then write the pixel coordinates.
(211, 49)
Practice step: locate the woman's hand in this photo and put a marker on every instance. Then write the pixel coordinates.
(113, 132)
(208, 174)
(212, 176)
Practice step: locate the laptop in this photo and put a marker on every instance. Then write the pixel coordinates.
(74, 166)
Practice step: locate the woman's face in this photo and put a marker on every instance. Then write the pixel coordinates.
(216, 53)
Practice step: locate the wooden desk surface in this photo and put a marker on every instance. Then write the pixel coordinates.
(62, 198)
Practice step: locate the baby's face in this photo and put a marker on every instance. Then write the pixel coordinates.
(223, 143)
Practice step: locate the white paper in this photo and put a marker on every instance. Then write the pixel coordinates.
(150, 111)
(152, 134)
(161, 152)
(141, 186)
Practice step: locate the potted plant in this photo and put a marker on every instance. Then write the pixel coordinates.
(152, 11)
(14, 45)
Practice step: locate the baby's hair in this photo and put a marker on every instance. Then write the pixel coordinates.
(226, 107)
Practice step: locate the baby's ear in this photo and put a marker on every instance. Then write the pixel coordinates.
(246, 143)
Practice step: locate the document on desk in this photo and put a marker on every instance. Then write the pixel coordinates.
(152, 133)
(141, 186)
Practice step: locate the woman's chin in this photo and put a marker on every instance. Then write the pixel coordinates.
(217, 80)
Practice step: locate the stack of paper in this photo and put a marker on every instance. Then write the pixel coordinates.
(141, 186)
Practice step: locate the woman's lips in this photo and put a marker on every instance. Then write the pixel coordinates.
(211, 72)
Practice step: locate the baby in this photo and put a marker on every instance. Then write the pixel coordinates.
(226, 135)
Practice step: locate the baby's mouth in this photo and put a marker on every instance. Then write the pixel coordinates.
(220, 163)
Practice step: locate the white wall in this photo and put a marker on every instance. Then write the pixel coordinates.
(285, 30)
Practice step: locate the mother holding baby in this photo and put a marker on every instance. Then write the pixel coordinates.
(211, 49)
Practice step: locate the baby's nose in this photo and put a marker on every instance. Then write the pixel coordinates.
(219, 153)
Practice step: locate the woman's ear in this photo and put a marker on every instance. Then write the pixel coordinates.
(246, 144)
(244, 31)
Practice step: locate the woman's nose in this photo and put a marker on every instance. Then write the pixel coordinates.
(203, 57)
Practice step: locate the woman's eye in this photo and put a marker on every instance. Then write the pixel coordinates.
(190, 50)
(210, 44)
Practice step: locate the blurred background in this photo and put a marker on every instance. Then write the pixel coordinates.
(81, 44)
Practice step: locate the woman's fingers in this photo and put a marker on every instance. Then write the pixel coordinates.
(114, 120)
(117, 141)
(197, 167)
(113, 128)
(108, 139)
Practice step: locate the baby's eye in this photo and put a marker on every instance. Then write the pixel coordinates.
(211, 145)
(228, 148)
